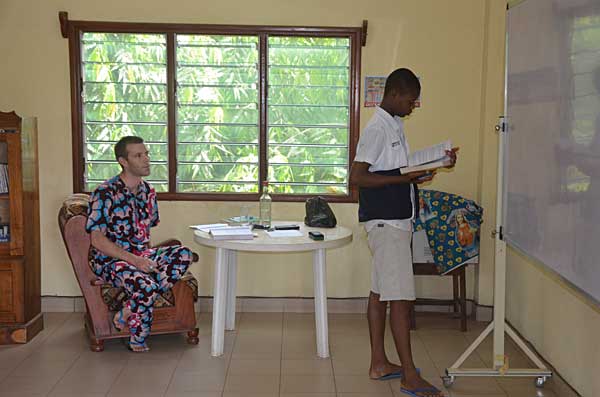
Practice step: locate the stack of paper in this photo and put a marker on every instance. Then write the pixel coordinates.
(208, 227)
(232, 233)
(428, 159)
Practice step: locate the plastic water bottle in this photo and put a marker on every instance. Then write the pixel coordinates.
(265, 206)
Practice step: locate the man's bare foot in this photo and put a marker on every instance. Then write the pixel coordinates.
(387, 369)
(138, 347)
(413, 383)
(120, 319)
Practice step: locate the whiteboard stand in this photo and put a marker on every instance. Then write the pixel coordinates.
(499, 326)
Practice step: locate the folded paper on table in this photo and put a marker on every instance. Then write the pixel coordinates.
(232, 233)
(208, 227)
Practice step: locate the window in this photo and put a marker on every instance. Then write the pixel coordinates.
(217, 113)
(124, 92)
(221, 108)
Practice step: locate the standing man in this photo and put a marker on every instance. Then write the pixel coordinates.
(387, 206)
(122, 210)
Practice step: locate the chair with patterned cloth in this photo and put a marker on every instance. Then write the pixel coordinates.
(174, 310)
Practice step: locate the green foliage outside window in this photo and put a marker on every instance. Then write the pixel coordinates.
(217, 110)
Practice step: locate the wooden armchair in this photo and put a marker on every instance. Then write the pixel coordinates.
(174, 313)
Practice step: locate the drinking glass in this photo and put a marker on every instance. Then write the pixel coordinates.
(245, 215)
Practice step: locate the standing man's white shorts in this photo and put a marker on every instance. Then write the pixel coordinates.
(392, 277)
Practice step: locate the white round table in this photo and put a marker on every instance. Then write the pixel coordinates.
(226, 274)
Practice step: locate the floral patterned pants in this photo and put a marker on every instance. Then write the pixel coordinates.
(143, 288)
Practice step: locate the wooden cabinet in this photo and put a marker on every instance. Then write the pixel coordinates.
(20, 303)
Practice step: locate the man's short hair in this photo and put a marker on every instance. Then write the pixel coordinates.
(402, 81)
(121, 146)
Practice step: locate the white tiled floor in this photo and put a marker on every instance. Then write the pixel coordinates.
(270, 354)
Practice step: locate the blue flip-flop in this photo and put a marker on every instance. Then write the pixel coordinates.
(391, 375)
(414, 392)
(394, 375)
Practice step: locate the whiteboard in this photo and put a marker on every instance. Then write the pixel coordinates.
(552, 146)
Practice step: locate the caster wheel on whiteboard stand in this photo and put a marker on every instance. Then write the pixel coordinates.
(448, 381)
(539, 382)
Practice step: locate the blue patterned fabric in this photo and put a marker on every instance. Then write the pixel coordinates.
(452, 225)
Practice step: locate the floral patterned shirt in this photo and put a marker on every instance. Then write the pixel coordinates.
(124, 217)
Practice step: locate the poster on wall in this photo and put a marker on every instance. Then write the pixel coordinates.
(374, 87)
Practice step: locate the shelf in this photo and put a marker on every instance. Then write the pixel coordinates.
(20, 277)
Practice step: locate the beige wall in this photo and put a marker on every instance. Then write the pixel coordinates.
(444, 42)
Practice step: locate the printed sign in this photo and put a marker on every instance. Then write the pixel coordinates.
(374, 86)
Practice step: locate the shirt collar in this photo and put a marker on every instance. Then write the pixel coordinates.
(394, 121)
(121, 184)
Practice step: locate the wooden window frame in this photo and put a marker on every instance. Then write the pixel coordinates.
(73, 31)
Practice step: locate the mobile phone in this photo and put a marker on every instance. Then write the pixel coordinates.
(316, 235)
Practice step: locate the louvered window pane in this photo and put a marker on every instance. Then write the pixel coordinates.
(124, 93)
(308, 114)
(217, 114)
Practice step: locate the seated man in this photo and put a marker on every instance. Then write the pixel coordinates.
(122, 210)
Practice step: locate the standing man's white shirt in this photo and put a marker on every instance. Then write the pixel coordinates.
(383, 145)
